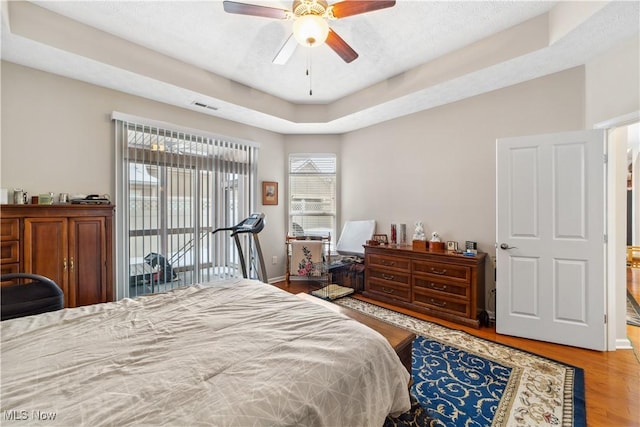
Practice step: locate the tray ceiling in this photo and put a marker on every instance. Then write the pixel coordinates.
(413, 56)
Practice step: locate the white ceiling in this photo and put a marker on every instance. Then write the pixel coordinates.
(413, 56)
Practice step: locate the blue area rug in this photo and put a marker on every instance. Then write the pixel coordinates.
(463, 380)
(459, 385)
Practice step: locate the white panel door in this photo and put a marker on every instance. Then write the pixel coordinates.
(550, 282)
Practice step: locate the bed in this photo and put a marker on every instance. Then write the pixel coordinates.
(237, 353)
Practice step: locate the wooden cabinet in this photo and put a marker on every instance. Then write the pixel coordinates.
(70, 244)
(440, 284)
(9, 245)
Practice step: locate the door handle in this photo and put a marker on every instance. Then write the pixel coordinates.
(505, 247)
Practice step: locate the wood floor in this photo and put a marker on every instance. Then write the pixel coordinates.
(612, 379)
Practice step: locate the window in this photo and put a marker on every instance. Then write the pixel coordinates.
(175, 188)
(312, 194)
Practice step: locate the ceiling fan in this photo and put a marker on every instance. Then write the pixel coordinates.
(310, 27)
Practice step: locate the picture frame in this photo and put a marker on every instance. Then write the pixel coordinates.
(452, 246)
(269, 193)
(381, 239)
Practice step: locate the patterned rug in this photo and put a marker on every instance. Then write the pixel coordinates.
(463, 380)
(633, 311)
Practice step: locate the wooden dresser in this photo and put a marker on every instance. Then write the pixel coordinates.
(70, 244)
(441, 284)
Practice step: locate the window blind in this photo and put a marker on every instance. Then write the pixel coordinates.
(174, 187)
(312, 194)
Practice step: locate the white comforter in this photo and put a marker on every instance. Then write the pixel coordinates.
(238, 353)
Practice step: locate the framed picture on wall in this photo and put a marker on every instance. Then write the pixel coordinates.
(269, 193)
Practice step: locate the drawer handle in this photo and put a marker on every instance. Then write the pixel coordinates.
(434, 271)
(438, 303)
(386, 290)
(388, 263)
(438, 288)
(387, 277)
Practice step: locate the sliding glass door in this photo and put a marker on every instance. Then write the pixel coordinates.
(177, 189)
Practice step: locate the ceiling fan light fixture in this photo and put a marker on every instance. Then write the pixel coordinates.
(310, 30)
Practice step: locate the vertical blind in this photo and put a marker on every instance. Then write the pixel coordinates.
(312, 194)
(174, 188)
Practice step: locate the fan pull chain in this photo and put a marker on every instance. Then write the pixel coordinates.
(309, 71)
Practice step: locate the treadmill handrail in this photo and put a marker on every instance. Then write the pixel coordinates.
(222, 229)
(255, 226)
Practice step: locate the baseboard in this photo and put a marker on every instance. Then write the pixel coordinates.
(623, 344)
(273, 280)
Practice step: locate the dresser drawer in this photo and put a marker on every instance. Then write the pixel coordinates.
(9, 229)
(442, 287)
(9, 252)
(389, 290)
(388, 262)
(8, 269)
(435, 301)
(457, 273)
(383, 275)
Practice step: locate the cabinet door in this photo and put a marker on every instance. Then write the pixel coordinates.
(87, 261)
(45, 250)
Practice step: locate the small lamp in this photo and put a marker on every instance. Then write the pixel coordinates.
(310, 30)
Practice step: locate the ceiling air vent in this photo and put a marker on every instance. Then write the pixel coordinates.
(200, 104)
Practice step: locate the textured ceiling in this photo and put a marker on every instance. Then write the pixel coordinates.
(416, 55)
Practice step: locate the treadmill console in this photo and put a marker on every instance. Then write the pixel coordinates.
(253, 224)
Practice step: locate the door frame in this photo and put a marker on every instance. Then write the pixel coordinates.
(615, 264)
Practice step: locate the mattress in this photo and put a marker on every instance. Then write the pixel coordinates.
(233, 353)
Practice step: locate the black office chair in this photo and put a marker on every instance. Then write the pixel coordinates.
(33, 294)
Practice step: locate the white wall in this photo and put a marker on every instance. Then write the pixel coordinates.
(612, 83)
(57, 136)
(438, 166)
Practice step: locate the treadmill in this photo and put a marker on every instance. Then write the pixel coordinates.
(253, 225)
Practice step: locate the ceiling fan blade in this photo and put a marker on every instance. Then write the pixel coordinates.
(356, 7)
(286, 51)
(250, 9)
(341, 47)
